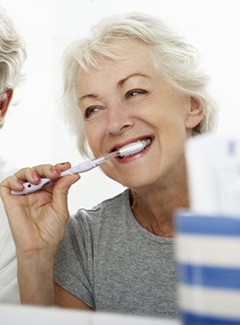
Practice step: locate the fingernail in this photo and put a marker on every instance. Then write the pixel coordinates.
(35, 176)
(54, 170)
(20, 184)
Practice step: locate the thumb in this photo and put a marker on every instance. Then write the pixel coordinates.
(61, 190)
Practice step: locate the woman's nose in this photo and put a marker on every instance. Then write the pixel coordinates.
(118, 120)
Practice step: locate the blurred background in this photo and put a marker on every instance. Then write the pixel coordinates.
(34, 132)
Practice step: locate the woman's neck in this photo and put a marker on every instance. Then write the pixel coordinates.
(154, 208)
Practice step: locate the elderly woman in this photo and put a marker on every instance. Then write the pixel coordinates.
(12, 56)
(134, 79)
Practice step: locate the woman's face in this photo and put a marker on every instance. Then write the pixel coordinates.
(128, 100)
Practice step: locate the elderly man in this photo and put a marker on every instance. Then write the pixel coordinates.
(12, 57)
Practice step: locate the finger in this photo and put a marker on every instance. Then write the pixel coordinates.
(47, 170)
(11, 183)
(61, 189)
(63, 166)
(34, 174)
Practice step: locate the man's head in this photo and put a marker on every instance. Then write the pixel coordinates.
(12, 57)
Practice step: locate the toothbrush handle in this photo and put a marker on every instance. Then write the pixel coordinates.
(30, 188)
(44, 182)
(81, 168)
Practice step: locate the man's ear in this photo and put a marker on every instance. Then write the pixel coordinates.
(195, 115)
(4, 103)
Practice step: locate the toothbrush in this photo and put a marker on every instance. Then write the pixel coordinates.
(85, 166)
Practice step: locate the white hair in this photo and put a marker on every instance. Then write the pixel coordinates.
(12, 54)
(170, 52)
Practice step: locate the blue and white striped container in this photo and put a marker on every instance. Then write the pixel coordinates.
(208, 267)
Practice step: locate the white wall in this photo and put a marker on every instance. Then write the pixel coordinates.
(34, 133)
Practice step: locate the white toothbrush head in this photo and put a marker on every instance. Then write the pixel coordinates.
(133, 148)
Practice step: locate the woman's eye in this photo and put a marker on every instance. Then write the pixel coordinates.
(90, 111)
(135, 92)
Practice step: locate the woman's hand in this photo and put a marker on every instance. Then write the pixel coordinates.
(37, 220)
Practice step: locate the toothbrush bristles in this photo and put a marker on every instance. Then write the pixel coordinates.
(133, 148)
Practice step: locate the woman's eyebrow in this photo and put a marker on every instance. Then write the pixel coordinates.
(119, 84)
(132, 76)
(80, 99)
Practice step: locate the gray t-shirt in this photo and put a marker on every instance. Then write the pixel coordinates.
(109, 261)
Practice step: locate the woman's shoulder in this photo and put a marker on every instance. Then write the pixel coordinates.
(107, 216)
(119, 199)
(106, 209)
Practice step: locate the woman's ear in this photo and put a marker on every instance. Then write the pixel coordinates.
(195, 115)
(4, 103)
